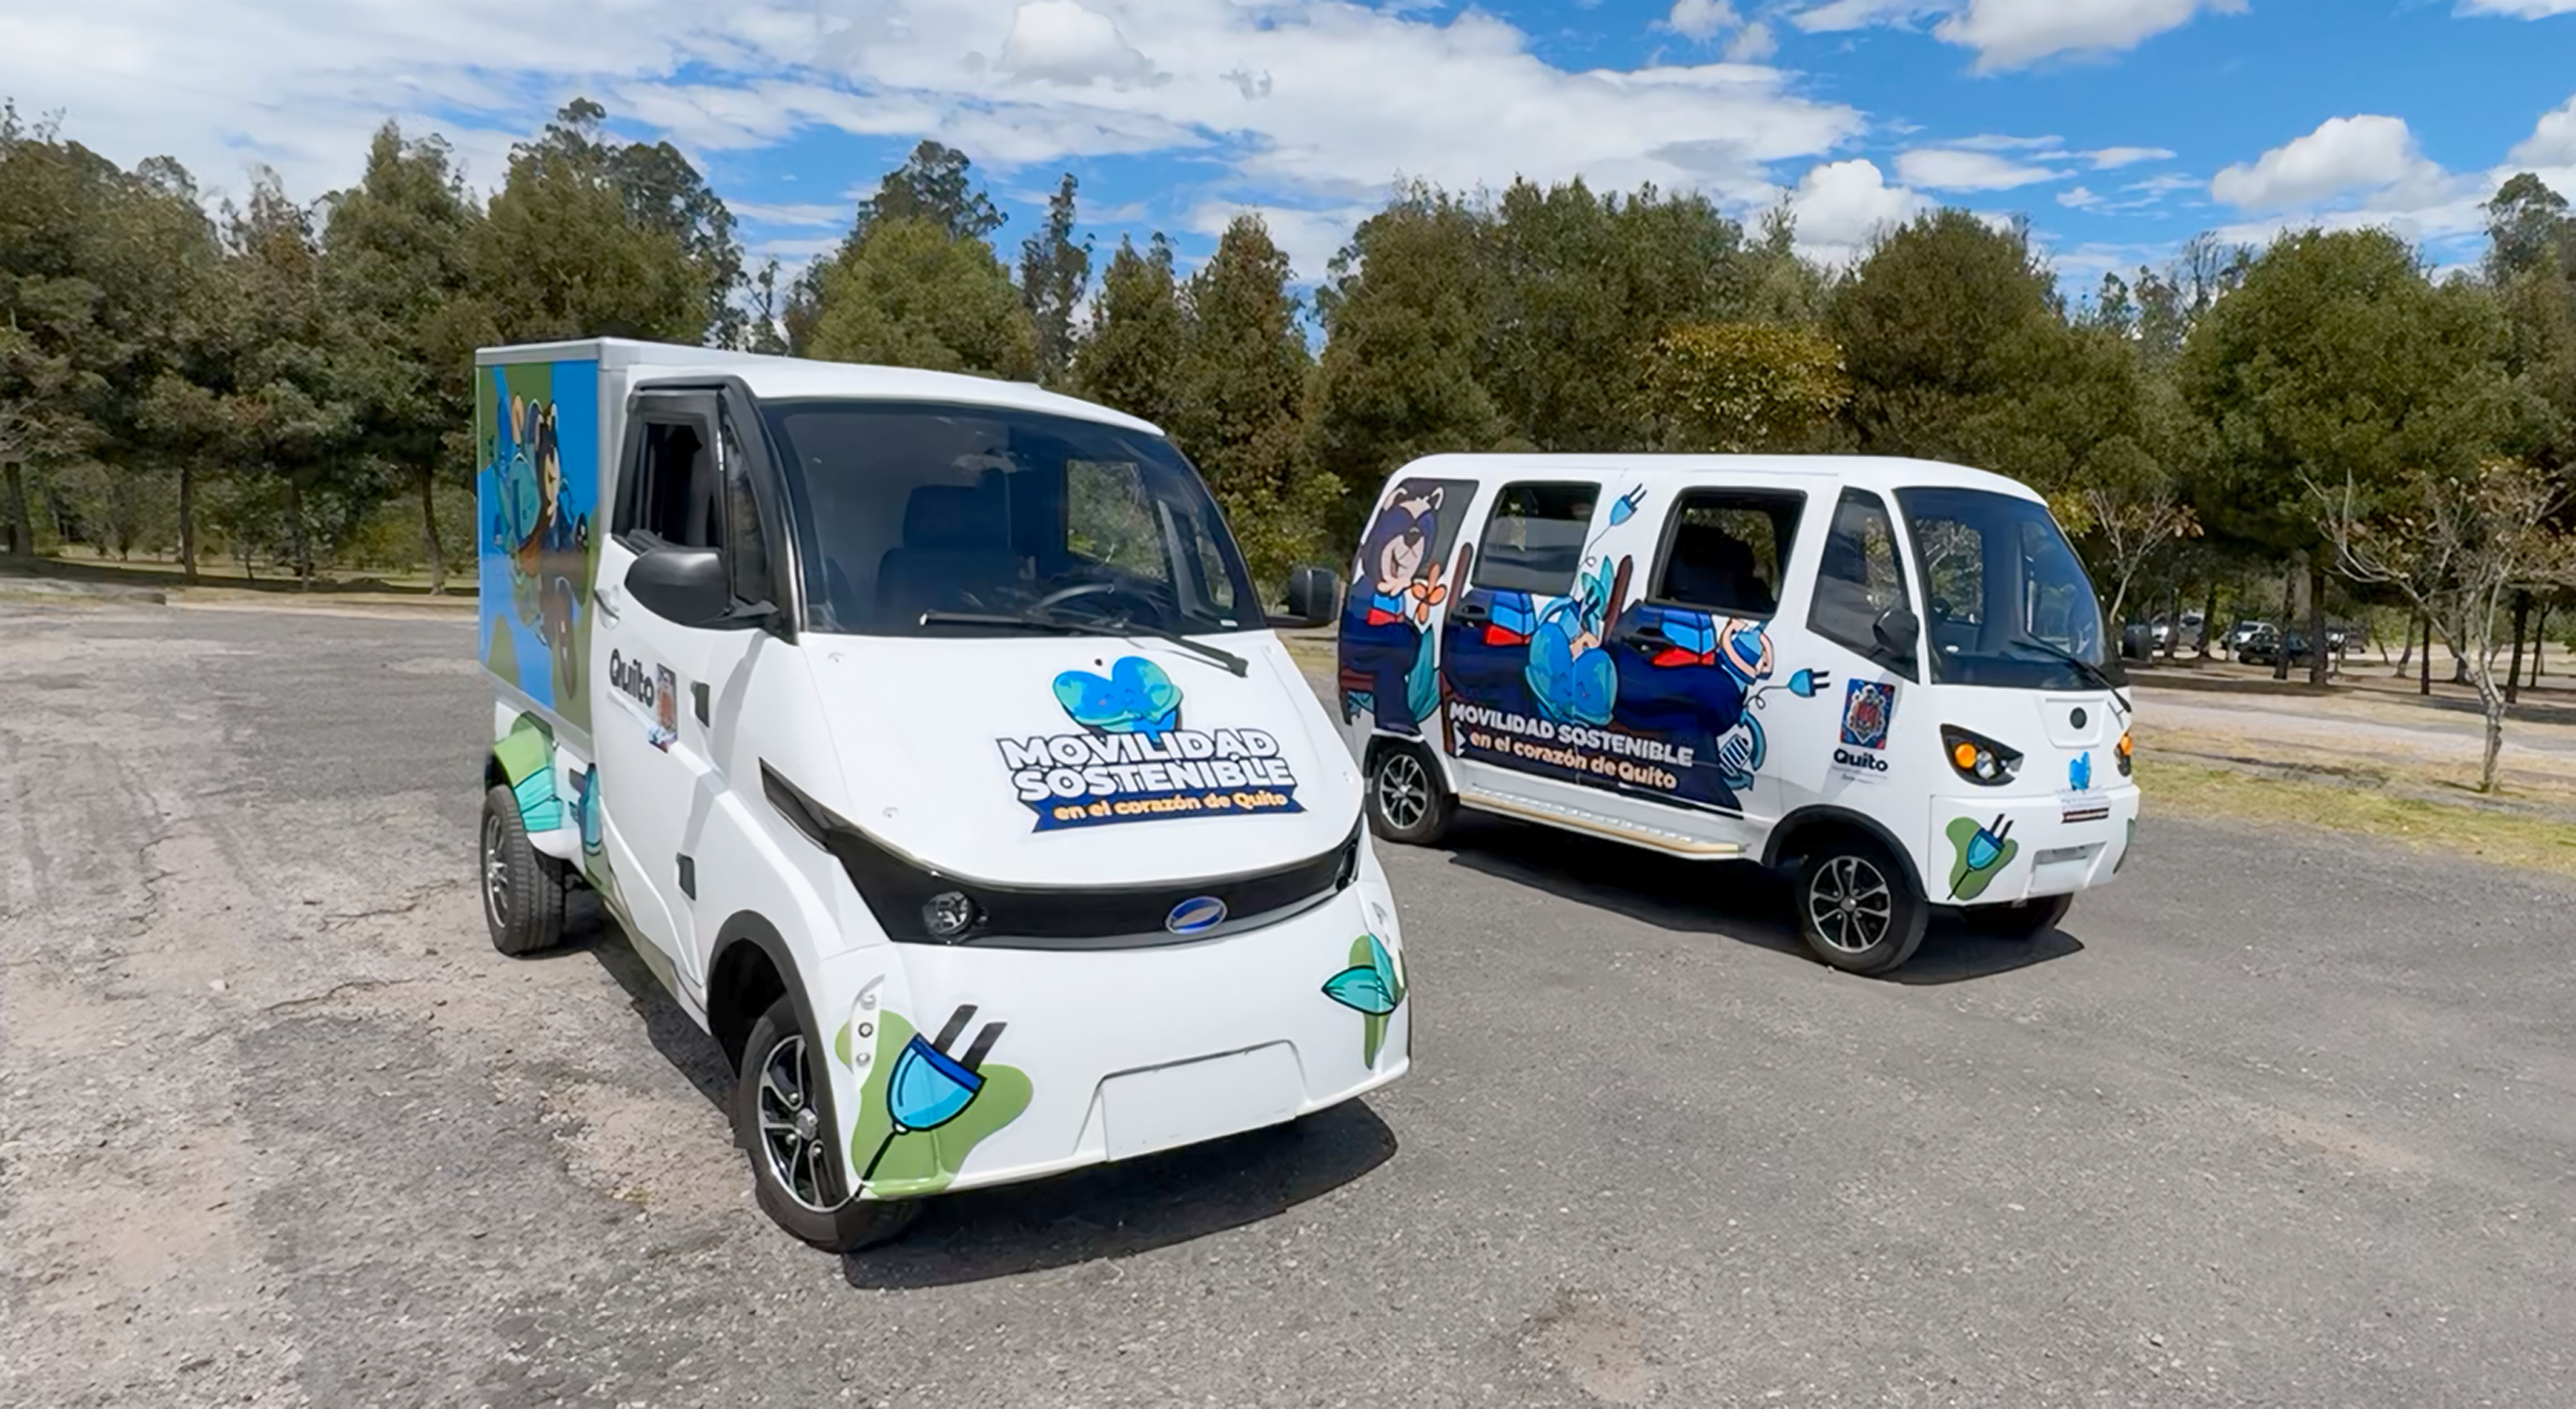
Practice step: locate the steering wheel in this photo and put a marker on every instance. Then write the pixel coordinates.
(1067, 594)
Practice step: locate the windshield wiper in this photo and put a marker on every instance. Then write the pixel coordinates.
(1081, 626)
(2084, 667)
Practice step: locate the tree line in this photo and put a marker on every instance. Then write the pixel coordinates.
(2322, 415)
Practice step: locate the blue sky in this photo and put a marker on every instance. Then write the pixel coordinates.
(2119, 127)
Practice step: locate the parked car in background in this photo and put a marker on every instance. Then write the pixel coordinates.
(2264, 647)
(2164, 632)
(2234, 642)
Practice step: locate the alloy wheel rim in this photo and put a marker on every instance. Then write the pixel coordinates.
(1850, 905)
(1403, 793)
(496, 872)
(791, 1125)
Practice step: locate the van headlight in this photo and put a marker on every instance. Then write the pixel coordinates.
(2128, 764)
(949, 914)
(1979, 759)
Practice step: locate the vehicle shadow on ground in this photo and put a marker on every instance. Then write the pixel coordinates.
(1119, 1210)
(1737, 900)
(1111, 1211)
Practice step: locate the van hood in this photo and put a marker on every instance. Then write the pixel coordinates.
(1084, 759)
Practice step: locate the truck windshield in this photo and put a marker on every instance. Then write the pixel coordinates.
(2007, 602)
(906, 511)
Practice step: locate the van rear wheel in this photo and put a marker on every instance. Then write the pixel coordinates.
(1858, 907)
(1407, 802)
(523, 889)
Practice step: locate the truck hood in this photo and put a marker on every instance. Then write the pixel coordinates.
(1084, 759)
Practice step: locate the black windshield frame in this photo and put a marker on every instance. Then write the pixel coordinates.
(2029, 582)
(1022, 510)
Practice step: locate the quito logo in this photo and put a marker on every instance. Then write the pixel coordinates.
(632, 677)
(1865, 762)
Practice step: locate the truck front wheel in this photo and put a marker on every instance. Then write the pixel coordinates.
(523, 891)
(779, 1120)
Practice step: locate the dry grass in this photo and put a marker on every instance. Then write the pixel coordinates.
(2495, 835)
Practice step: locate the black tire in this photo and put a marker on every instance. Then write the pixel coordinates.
(1407, 801)
(2028, 920)
(796, 1167)
(523, 889)
(1859, 908)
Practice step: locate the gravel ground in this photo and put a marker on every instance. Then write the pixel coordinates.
(2275, 1121)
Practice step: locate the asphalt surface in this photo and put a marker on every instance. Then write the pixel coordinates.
(2277, 1120)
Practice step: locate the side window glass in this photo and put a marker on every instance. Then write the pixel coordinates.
(677, 497)
(1534, 539)
(1860, 578)
(746, 548)
(1723, 550)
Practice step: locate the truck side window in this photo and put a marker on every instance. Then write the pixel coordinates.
(1534, 539)
(676, 496)
(1723, 549)
(746, 550)
(1860, 578)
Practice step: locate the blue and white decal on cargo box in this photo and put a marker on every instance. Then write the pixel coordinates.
(1133, 760)
(536, 509)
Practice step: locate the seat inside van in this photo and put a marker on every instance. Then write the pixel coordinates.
(955, 540)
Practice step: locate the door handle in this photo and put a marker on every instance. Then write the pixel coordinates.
(607, 605)
(1470, 613)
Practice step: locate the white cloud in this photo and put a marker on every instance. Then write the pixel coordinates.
(1840, 15)
(1840, 205)
(2078, 198)
(1702, 20)
(2010, 33)
(1755, 45)
(2518, 9)
(1944, 169)
(1991, 142)
(2553, 140)
(2344, 156)
(1311, 106)
(2113, 158)
(1060, 41)
(791, 214)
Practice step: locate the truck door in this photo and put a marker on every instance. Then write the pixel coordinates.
(1698, 667)
(657, 767)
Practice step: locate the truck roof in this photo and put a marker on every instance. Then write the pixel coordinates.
(1874, 472)
(799, 378)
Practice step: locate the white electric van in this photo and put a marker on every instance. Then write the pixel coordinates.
(926, 736)
(1890, 671)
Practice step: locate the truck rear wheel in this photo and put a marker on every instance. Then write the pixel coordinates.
(1407, 802)
(1858, 907)
(779, 1120)
(523, 890)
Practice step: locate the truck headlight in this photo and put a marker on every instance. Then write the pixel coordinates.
(1979, 759)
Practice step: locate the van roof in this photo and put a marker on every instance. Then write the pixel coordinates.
(1874, 472)
(785, 378)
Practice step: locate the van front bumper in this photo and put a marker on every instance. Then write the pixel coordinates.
(955, 1068)
(1997, 851)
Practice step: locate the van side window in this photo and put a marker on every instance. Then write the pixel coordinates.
(1723, 549)
(1534, 540)
(676, 497)
(1860, 577)
(746, 547)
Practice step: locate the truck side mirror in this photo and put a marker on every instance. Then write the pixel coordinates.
(684, 586)
(1314, 598)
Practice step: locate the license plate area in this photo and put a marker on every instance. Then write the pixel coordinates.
(1164, 1108)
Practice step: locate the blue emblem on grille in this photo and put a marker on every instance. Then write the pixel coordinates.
(1193, 916)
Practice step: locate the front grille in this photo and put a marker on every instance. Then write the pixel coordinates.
(896, 887)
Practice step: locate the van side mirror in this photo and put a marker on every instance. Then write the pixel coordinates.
(1314, 598)
(1897, 630)
(684, 586)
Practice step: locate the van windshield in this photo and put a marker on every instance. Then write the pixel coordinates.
(904, 509)
(2006, 600)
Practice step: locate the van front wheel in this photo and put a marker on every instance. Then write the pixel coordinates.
(1857, 909)
(779, 1120)
(1407, 802)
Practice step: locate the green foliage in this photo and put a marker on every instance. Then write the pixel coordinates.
(1739, 388)
(1055, 268)
(1130, 355)
(1241, 380)
(1942, 327)
(911, 294)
